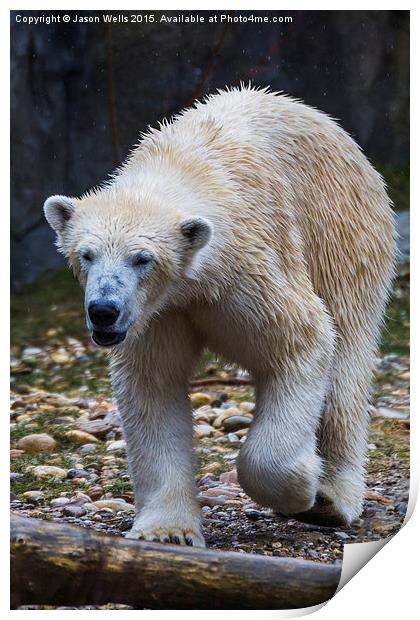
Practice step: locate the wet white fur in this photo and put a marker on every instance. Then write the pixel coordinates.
(291, 284)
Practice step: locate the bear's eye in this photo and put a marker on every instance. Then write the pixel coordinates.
(87, 255)
(143, 259)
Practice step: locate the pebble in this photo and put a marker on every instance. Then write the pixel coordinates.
(247, 406)
(218, 500)
(37, 443)
(80, 437)
(229, 477)
(203, 430)
(74, 510)
(198, 399)
(236, 423)
(14, 475)
(88, 448)
(116, 505)
(342, 535)
(117, 446)
(77, 473)
(34, 496)
(15, 454)
(98, 427)
(252, 514)
(384, 412)
(226, 413)
(48, 471)
(59, 501)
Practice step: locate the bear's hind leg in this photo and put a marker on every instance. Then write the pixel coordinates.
(343, 437)
(279, 465)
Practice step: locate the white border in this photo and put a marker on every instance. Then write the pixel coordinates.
(386, 586)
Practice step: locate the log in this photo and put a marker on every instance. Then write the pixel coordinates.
(63, 564)
(221, 381)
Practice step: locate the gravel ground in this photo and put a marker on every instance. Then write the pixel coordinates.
(80, 473)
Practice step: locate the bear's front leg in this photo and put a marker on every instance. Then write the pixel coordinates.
(150, 377)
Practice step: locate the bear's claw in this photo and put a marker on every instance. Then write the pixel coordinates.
(177, 536)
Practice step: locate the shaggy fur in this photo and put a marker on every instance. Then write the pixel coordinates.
(273, 245)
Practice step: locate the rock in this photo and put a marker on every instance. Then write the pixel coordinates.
(229, 477)
(48, 471)
(37, 443)
(401, 508)
(217, 500)
(74, 510)
(252, 514)
(15, 454)
(377, 497)
(203, 430)
(80, 437)
(247, 406)
(226, 413)
(58, 502)
(116, 505)
(30, 353)
(384, 412)
(60, 357)
(117, 446)
(236, 423)
(77, 473)
(14, 475)
(98, 427)
(198, 399)
(211, 468)
(34, 496)
(88, 448)
(342, 535)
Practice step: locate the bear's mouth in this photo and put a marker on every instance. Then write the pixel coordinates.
(107, 339)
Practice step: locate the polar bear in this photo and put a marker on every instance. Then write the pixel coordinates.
(253, 225)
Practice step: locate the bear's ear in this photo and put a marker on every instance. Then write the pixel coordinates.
(58, 212)
(197, 230)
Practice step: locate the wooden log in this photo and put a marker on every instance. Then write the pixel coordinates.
(63, 564)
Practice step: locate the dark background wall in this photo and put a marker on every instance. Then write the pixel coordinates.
(81, 93)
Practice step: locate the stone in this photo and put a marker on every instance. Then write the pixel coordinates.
(252, 514)
(15, 454)
(217, 500)
(88, 448)
(116, 505)
(74, 510)
(198, 399)
(48, 471)
(226, 413)
(98, 427)
(77, 473)
(384, 412)
(342, 535)
(117, 446)
(229, 477)
(236, 423)
(34, 496)
(58, 502)
(247, 406)
(80, 437)
(37, 443)
(203, 430)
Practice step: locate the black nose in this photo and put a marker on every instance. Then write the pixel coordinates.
(103, 315)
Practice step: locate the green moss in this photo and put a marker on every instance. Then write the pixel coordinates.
(54, 301)
(397, 180)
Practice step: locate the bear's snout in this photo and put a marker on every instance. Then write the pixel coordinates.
(103, 315)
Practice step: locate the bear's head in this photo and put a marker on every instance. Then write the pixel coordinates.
(131, 256)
